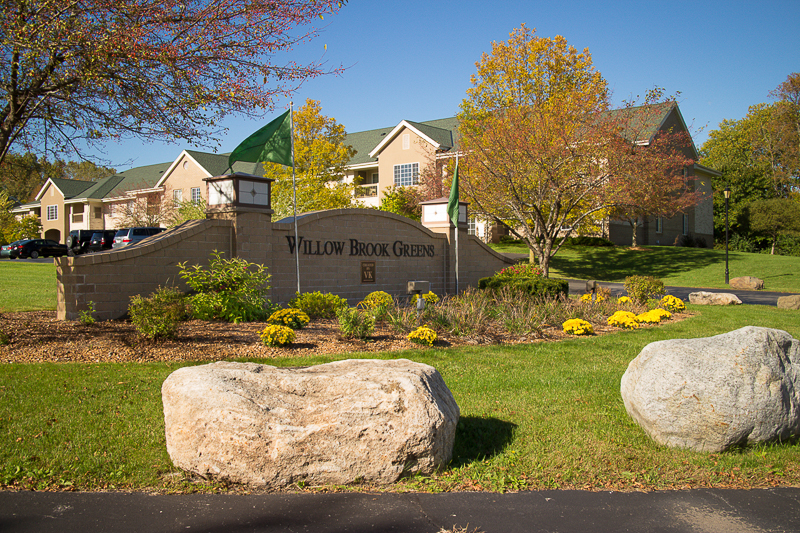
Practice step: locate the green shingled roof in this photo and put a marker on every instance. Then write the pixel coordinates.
(71, 188)
(444, 131)
(217, 164)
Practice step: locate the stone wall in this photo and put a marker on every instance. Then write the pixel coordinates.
(334, 248)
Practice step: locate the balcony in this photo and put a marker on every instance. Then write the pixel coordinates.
(367, 191)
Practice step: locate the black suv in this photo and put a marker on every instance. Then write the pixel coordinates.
(101, 240)
(78, 240)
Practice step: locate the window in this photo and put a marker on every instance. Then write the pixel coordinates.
(98, 212)
(177, 196)
(52, 212)
(77, 218)
(406, 174)
(471, 226)
(406, 141)
(111, 210)
(686, 224)
(196, 195)
(659, 225)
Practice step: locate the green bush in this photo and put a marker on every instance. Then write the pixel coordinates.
(158, 315)
(355, 323)
(229, 289)
(643, 288)
(86, 317)
(317, 304)
(543, 287)
(291, 318)
(583, 240)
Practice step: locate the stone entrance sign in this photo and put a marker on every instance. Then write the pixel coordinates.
(339, 252)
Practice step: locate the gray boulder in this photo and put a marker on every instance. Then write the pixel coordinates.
(335, 423)
(713, 298)
(712, 393)
(747, 283)
(789, 302)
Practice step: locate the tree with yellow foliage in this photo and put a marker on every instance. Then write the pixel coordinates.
(540, 143)
(320, 158)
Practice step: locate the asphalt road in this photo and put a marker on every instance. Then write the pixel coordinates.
(747, 297)
(707, 511)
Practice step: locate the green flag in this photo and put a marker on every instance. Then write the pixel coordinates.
(271, 143)
(452, 203)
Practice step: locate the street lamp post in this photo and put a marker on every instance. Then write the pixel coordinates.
(727, 198)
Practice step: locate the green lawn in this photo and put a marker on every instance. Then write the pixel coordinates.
(537, 416)
(683, 267)
(27, 286)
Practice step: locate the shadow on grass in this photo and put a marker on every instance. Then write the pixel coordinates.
(614, 264)
(480, 438)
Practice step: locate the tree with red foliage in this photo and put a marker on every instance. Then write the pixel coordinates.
(153, 69)
(650, 175)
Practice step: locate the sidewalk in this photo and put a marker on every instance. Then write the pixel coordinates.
(711, 511)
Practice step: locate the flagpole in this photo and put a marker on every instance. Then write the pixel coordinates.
(458, 217)
(294, 199)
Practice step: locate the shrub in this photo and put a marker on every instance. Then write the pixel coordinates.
(291, 318)
(317, 304)
(520, 270)
(355, 323)
(423, 335)
(588, 297)
(229, 289)
(158, 315)
(623, 319)
(583, 240)
(277, 335)
(643, 288)
(539, 287)
(653, 316)
(85, 317)
(508, 239)
(377, 299)
(430, 299)
(576, 326)
(671, 303)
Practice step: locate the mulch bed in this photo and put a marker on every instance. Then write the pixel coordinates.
(37, 337)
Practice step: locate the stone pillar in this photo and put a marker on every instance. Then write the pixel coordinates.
(245, 200)
(436, 219)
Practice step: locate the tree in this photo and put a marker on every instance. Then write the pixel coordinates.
(12, 229)
(729, 150)
(648, 178)
(154, 69)
(22, 176)
(402, 201)
(774, 217)
(542, 149)
(320, 158)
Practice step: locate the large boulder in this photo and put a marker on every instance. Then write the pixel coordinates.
(713, 298)
(789, 302)
(334, 423)
(748, 283)
(712, 393)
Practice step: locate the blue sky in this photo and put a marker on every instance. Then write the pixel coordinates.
(413, 59)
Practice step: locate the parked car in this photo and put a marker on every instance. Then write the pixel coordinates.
(127, 236)
(5, 250)
(78, 240)
(101, 240)
(34, 248)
